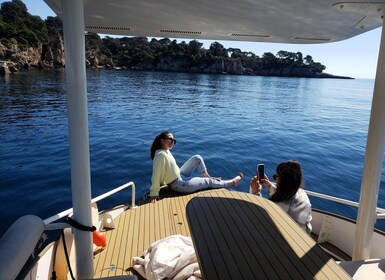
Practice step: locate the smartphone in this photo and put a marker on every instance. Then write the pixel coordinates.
(261, 172)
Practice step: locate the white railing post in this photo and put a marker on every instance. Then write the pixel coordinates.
(374, 156)
(76, 85)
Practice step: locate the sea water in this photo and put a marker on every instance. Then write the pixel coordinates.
(234, 122)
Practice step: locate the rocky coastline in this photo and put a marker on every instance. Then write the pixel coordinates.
(49, 56)
(29, 42)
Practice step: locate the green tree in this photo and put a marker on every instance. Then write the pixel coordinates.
(112, 44)
(269, 60)
(308, 60)
(93, 41)
(318, 67)
(217, 50)
(38, 26)
(234, 52)
(299, 59)
(165, 41)
(178, 49)
(54, 26)
(13, 11)
(7, 31)
(250, 60)
(286, 58)
(194, 48)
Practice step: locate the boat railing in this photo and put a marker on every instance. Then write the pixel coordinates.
(380, 211)
(67, 212)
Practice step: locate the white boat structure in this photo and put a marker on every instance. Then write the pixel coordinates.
(359, 246)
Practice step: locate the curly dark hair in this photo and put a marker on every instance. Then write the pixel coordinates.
(156, 144)
(290, 180)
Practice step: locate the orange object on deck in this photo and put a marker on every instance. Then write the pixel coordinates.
(99, 239)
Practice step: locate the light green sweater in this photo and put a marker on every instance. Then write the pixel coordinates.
(164, 170)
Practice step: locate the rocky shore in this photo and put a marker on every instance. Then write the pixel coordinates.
(48, 56)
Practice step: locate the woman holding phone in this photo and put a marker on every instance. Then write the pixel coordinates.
(165, 171)
(287, 192)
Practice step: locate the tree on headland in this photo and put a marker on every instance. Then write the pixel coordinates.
(20, 30)
(217, 50)
(17, 25)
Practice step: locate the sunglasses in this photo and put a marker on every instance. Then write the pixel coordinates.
(171, 139)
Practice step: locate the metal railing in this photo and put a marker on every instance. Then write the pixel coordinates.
(380, 211)
(67, 212)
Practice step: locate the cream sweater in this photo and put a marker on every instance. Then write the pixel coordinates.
(164, 170)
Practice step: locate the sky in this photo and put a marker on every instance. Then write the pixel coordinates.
(356, 57)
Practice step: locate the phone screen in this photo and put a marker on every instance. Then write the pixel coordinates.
(261, 172)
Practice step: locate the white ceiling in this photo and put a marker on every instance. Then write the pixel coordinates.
(284, 21)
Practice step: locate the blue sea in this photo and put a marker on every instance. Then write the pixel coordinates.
(234, 122)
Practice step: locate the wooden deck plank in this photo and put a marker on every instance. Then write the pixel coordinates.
(125, 222)
(168, 217)
(229, 232)
(132, 232)
(109, 251)
(273, 248)
(172, 213)
(205, 253)
(315, 259)
(136, 229)
(163, 222)
(178, 216)
(250, 248)
(147, 233)
(168, 230)
(99, 263)
(287, 250)
(117, 252)
(127, 238)
(141, 227)
(253, 229)
(312, 258)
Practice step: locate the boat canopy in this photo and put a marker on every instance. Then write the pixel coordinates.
(288, 21)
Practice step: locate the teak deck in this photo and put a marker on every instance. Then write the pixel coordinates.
(242, 236)
(137, 228)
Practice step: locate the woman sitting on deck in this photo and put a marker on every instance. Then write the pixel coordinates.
(287, 192)
(165, 171)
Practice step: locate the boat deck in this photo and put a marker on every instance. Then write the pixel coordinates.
(136, 229)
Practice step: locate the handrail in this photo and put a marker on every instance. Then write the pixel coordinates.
(380, 211)
(380, 215)
(96, 199)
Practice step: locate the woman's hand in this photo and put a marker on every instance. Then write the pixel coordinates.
(153, 199)
(255, 186)
(266, 182)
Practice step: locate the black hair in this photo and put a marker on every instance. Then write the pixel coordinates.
(290, 180)
(157, 144)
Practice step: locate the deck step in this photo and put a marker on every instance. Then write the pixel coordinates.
(336, 253)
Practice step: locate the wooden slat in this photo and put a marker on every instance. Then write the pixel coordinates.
(177, 212)
(252, 238)
(252, 250)
(136, 229)
(312, 258)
